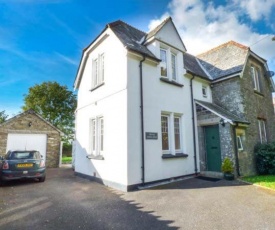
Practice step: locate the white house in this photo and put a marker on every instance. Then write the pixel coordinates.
(138, 98)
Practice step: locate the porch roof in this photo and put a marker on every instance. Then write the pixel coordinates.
(221, 112)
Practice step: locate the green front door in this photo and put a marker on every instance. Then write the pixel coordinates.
(213, 149)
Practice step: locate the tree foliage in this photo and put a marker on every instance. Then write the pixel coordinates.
(55, 103)
(3, 116)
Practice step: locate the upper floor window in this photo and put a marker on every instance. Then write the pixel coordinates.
(168, 65)
(262, 131)
(204, 91)
(256, 77)
(174, 66)
(98, 71)
(163, 67)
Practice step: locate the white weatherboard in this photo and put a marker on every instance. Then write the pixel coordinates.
(28, 142)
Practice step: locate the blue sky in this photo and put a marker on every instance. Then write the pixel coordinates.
(42, 40)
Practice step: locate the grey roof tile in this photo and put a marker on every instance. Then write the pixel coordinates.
(224, 60)
(131, 38)
(192, 65)
(222, 111)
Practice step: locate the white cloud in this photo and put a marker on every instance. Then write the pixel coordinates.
(256, 9)
(202, 26)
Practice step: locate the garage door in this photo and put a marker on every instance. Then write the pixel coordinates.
(28, 142)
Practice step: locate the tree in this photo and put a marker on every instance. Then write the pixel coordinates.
(55, 103)
(3, 116)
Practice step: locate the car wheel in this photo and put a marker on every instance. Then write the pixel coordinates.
(42, 179)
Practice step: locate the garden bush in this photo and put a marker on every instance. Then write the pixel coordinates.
(265, 158)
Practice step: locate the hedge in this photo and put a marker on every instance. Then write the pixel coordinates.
(265, 158)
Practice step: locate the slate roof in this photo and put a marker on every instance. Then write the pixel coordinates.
(191, 64)
(221, 111)
(131, 38)
(224, 60)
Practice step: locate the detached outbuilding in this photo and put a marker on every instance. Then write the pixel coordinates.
(29, 130)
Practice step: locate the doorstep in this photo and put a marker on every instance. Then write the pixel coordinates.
(211, 174)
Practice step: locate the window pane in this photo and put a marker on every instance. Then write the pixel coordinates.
(95, 72)
(101, 134)
(177, 132)
(102, 68)
(239, 143)
(204, 92)
(164, 131)
(174, 73)
(93, 134)
(163, 58)
(252, 70)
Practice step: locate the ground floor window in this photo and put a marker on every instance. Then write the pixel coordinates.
(262, 130)
(171, 133)
(97, 135)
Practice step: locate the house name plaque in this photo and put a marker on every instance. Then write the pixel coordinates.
(151, 136)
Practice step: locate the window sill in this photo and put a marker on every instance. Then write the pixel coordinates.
(101, 84)
(259, 93)
(98, 157)
(178, 155)
(171, 82)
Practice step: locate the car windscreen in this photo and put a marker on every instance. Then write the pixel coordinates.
(24, 155)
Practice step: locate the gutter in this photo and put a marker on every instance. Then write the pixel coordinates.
(142, 121)
(194, 126)
(236, 149)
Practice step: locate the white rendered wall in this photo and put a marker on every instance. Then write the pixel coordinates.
(158, 97)
(109, 101)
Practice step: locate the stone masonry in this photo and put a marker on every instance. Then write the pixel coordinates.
(238, 96)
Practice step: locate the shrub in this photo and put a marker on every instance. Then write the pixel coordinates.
(265, 158)
(227, 166)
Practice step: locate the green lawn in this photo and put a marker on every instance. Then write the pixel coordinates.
(265, 181)
(66, 160)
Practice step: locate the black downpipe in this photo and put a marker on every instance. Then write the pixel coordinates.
(142, 122)
(236, 149)
(194, 126)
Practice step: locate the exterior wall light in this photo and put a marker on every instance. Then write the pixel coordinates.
(30, 124)
(222, 122)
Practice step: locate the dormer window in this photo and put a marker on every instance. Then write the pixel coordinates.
(168, 64)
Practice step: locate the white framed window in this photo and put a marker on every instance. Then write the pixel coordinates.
(97, 136)
(204, 91)
(168, 64)
(171, 133)
(262, 131)
(174, 66)
(255, 73)
(239, 143)
(165, 132)
(98, 70)
(177, 133)
(163, 64)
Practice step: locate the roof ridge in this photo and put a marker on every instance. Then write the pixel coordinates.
(117, 22)
(152, 32)
(231, 42)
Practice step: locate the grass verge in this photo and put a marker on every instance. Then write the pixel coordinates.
(66, 160)
(267, 181)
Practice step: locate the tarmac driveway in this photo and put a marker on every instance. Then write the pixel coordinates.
(65, 201)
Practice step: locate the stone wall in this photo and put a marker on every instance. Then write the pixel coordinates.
(238, 96)
(20, 124)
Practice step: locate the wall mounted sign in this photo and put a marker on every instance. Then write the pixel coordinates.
(151, 136)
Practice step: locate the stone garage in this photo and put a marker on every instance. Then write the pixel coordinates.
(30, 131)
